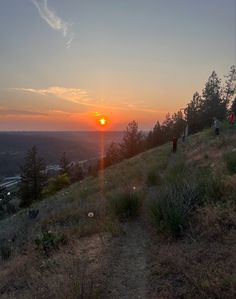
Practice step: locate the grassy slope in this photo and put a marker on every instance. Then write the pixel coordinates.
(199, 264)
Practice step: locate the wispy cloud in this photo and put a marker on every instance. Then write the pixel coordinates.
(13, 112)
(54, 21)
(83, 97)
(74, 95)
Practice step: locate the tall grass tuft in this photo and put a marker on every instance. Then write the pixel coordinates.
(153, 178)
(5, 250)
(210, 185)
(170, 208)
(125, 204)
(230, 160)
(182, 192)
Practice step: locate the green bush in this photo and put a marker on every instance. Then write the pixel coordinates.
(125, 204)
(166, 211)
(176, 170)
(56, 184)
(182, 192)
(170, 208)
(5, 250)
(230, 160)
(152, 178)
(49, 242)
(210, 186)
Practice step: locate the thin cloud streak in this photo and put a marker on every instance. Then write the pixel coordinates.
(54, 21)
(74, 95)
(82, 97)
(12, 112)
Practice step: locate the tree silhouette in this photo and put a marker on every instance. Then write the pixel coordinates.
(132, 140)
(64, 164)
(213, 104)
(32, 178)
(113, 154)
(193, 113)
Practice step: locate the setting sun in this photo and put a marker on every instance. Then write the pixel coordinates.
(103, 121)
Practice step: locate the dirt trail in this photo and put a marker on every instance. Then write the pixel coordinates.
(126, 271)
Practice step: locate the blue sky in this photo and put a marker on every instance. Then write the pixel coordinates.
(64, 62)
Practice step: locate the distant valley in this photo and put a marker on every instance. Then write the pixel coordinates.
(77, 145)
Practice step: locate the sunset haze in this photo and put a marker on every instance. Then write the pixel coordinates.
(65, 62)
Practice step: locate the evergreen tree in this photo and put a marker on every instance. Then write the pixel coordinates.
(32, 178)
(76, 173)
(155, 137)
(167, 127)
(213, 103)
(132, 141)
(179, 124)
(3, 198)
(230, 84)
(64, 164)
(113, 154)
(193, 114)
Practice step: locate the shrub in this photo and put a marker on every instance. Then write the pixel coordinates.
(49, 242)
(230, 160)
(56, 184)
(125, 204)
(5, 250)
(171, 206)
(167, 212)
(176, 170)
(210, 186)
(152, 178)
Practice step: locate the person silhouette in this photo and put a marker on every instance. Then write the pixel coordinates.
(231, 118)
(216, 126)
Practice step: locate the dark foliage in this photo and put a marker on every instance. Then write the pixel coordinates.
(131, 143)
(32, 178)
(64, 164)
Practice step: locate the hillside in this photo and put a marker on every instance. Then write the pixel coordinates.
(159, 225)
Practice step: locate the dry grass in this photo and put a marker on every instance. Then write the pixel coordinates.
(69, 273)
(192, 270)
(215, 222)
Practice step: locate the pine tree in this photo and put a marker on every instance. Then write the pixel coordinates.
(213, 103)
(76, 173)
(32, 178)
(193, 114)
(3, 198)
(113, 155)
(230, 84)
(179, 124)
(155, 137)
(64, 164)
(132, 141)
(167, 127)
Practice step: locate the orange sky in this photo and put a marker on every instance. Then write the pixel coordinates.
(63, 62)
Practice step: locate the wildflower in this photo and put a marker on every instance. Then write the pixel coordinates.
(90, 214)
(134, 188)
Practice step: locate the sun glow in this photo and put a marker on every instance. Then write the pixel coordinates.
(102, 121)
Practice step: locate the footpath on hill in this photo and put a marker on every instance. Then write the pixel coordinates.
(126, 267)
